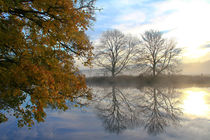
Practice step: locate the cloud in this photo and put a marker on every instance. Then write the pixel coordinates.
(134, 17)
(207, 45)
(114, 13)
(185, 21)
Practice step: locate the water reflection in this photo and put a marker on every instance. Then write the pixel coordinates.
(152, 108)
(116, 111)
(195, 102)
(28, 109)
(129, 112)
(160, 109)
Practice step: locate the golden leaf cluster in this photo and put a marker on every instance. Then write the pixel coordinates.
(39, 41)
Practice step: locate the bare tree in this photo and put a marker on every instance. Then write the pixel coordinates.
(153, 108)
(160, 109)
(115, 51)
(158, 54)
(116, 110)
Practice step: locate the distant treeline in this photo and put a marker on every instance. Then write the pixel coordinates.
(161, 81)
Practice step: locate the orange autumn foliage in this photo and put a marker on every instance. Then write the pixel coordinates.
(39, 41)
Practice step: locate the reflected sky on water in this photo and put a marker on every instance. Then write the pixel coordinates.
(145, 113)
(196, 102)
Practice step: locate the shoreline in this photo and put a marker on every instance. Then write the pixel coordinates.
(177, 81)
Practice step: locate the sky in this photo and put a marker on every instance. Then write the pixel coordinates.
(185, 21)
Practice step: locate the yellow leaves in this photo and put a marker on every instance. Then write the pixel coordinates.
(33, 63)
(33, 109)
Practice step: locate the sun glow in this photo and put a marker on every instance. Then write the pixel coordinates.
(194, 103)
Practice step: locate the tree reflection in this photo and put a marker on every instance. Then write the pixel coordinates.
(160, 109)
(30, 108)
(152, 108)
(116, 111)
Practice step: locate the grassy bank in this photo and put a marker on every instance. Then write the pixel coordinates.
(163, 80)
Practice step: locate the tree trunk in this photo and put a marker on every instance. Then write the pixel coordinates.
(113, 76)
(153, 70)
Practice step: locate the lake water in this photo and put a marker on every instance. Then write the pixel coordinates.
(145, 113)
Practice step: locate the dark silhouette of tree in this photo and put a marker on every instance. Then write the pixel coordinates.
(115, 51)
(160, 109)
(155, 109)
(157, 54)
(116, 113)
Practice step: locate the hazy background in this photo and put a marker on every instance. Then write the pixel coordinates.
(185, 21)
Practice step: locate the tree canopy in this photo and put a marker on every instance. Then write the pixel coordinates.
(158, 54)
(115, 51)
(39, 41)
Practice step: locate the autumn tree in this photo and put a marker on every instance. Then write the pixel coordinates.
(115, 51)
(39, 41)
(158, 54)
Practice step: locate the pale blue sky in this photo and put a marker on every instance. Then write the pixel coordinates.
(186, 21)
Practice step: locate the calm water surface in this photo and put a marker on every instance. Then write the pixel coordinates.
(146, 113)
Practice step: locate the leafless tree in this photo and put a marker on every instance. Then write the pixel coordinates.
(153, 108)
(116, 110)
(158, 54)
(115, 51)
(160, 109)
(157, 108)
